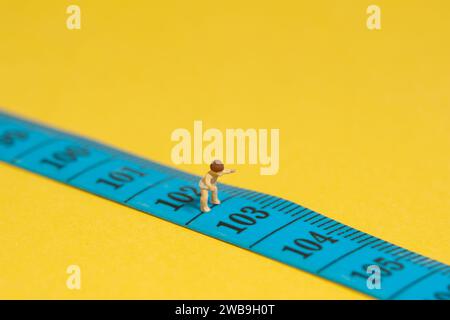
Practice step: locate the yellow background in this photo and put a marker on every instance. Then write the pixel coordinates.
(363, 117)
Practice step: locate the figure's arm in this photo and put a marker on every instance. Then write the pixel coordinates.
(228, 171)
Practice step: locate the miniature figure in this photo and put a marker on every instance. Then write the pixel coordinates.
(208, 183)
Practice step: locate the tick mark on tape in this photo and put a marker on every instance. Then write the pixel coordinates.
(270, 203)
(310, 218)
(147, 188)
(344, 256)
(325, 223)
(337, 229)
(285, 207)
(295, 208)
(95, 165)
(365, 239)
(351, 234)
(273, 232)
(314, 222)
(302, 210)
(411, 284)
(33, 149)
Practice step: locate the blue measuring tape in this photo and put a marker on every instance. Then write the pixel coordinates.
(264, 224)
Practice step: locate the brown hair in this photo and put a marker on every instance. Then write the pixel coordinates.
(216, 166)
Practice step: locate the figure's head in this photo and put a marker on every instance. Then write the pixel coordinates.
(216, 166)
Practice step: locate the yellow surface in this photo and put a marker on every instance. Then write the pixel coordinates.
(363, 117)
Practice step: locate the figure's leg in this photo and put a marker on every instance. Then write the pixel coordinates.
(204, 201)
(215, 197)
